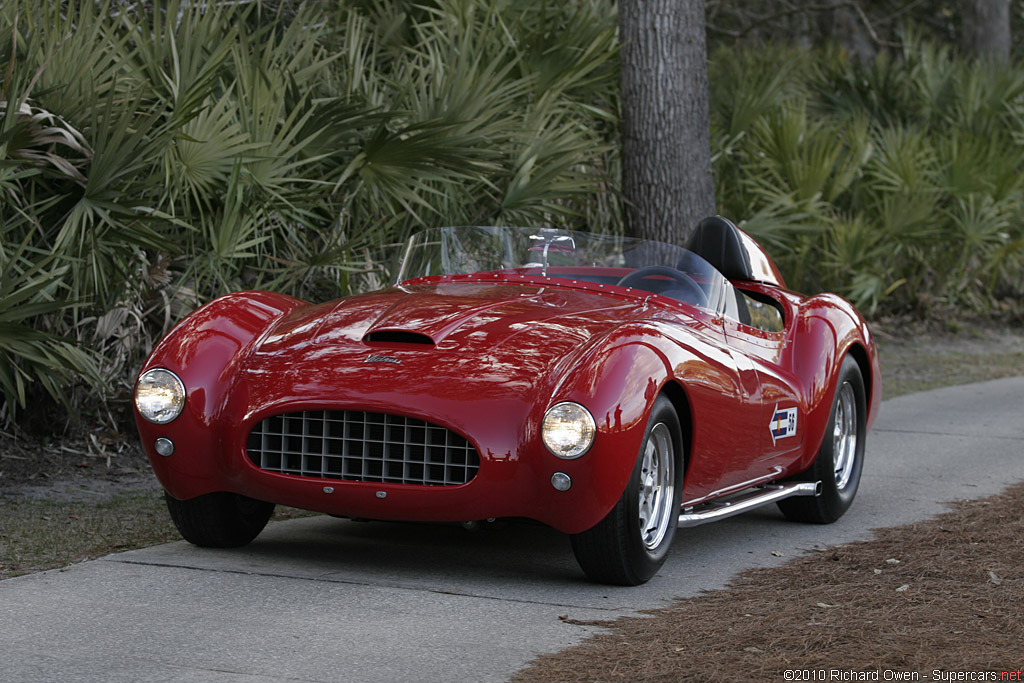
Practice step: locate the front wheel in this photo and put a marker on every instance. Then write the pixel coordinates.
(840, 460)
(631, 543)
(219, 520)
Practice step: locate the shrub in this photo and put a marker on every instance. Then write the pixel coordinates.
(156, 155)
(896, 184)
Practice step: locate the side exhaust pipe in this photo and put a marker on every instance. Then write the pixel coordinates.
(744, 502)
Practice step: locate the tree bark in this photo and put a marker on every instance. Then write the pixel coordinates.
(986, 29)
(842, 25)
(666, 147)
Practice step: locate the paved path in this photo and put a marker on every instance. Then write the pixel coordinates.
(322, 599)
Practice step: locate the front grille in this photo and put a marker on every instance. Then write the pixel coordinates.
(358, 446)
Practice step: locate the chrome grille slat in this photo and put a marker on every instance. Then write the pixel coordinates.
(360, 446)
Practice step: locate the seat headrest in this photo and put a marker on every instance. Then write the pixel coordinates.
(719, 242)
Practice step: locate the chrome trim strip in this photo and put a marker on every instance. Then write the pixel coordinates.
(735, 488)
(716, 510)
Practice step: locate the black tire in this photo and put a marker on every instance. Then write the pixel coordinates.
(219, 520)
(618, 550)
(840, 459)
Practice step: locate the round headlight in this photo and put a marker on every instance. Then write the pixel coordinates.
(159, 396)
(568, 430)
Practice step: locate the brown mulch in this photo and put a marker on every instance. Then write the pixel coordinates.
(941, 600)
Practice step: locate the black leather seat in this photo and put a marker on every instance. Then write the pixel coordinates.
(719, 242)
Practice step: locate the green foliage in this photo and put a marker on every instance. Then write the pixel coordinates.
(896, 184)
(31, 289)
(156, 155)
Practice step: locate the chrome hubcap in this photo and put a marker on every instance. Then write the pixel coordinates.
(657, 486)
(844, 436)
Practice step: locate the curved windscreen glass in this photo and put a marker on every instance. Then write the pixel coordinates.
(606, 259)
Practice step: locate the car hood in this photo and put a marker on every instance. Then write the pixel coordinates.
(420, 347)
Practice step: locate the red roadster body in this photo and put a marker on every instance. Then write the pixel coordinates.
(610, 388)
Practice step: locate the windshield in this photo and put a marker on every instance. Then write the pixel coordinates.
(577, 256)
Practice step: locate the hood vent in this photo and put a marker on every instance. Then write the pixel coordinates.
(397, 337)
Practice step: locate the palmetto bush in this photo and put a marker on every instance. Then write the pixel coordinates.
(896, 184)
(155, 155)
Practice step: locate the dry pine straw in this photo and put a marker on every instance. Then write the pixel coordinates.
(944, 594)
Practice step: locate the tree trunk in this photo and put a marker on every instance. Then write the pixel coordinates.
(666, 148)
(842, 25)
(986, 29)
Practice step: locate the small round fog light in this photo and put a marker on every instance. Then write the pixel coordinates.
(164, 446)
(561, 481)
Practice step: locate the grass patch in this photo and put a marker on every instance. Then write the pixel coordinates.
(36, 535)
(921, 355)
(42, 534)
(904, 373)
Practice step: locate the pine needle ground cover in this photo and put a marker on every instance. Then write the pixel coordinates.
(938, 596)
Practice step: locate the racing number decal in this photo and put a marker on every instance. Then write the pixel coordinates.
(783, 423)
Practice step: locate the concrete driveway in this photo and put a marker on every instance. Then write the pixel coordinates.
(322, 599)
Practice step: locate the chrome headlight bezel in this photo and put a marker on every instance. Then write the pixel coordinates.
(159, 396)
(568, 430)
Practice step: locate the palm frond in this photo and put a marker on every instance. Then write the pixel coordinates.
(30, 290)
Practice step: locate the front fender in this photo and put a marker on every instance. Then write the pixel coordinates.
(203, 350)
(617, 381)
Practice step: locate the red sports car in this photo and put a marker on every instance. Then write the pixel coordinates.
(612, 388)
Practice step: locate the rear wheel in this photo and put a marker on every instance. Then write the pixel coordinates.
(219, 520)
(631, 543)
(840, 460)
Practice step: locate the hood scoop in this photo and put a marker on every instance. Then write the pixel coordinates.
(428, 318)
(397, 337)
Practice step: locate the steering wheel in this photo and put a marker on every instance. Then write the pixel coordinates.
(692, 293)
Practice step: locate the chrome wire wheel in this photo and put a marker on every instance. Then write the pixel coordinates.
(840, 459)
(844, 436)
(630, 544)
(657, 487)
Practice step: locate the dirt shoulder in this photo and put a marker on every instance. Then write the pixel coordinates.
(55, 468)
(916, 356)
